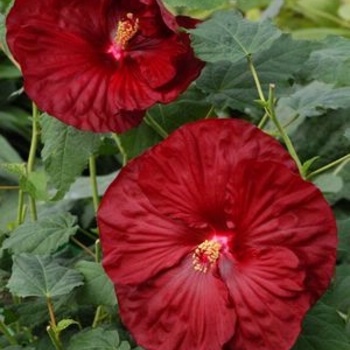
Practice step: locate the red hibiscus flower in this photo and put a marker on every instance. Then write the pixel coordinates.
(98, 64)
(214, 241)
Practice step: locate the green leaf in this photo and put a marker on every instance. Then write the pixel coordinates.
(330, 63)
(97, 288)
(347, 133)
(138, 139)
(41, 276)
(329, 183)
(66, 152)
(63, 324)
(43, 236)
(231, 84)
(314, 99)
(97, 339)
(323, 136)
(344, 239)
(227, 36)
(190, 106)
(7, 153)
(36, 184)
(323, 329)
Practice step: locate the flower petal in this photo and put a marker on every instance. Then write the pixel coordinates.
(272, 206)
(179, 309)
(195, 163)
(138, 242)
(267, 287)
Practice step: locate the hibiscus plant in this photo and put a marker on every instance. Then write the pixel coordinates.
(175, 175)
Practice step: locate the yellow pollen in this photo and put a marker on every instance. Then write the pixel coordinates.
(205, 255)
(126, 30)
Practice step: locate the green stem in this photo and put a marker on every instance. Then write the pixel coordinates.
(121, 149)
(93, 182)
(20, 205)
(210, 112)
(152, 123)
(54, 339)
(82, 246)
(310, 10)
(97, 316)
(270, 111)
(5, 188)
(287, 141)
(7, 333)
(331, 165)
(263, 121)
(256, 79)
(53, 322)
(32, 154)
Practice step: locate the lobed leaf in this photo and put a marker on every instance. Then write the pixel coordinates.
(41, 276)
(331, 62)
(66, 152)
(231, 85)
(43, 236)
(228, 36)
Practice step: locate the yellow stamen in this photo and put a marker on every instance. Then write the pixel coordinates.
(205, 255)
(126, 30)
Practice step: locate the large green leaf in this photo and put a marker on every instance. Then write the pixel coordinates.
(330, 63)
(97, 339)
(228, 36)
(41, 276)
(97, 288)
(66, 152)
(323, 329)
(315, 98)
(43, 236)
(231, 84)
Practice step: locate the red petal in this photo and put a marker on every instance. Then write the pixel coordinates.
(269, 296)
(179, 309)
(129, 223)
(195, 163)
(278, 208)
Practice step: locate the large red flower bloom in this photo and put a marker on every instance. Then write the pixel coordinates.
(214, 241)
(98, 64)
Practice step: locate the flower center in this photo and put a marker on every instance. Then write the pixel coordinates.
(206, 255)
(127, 28)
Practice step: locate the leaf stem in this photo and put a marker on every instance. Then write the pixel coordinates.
(20, 205)
(93, 182)
(331, 165)
(7, 333)
(53, 322)
(152, 123)
(82, 246)
(121, 148)
(32, 153)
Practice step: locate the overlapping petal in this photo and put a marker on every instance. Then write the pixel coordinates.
(267, 287)
(278, 208)
(194, 182)
(74, 70)
(180, 309)
(132, 224)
